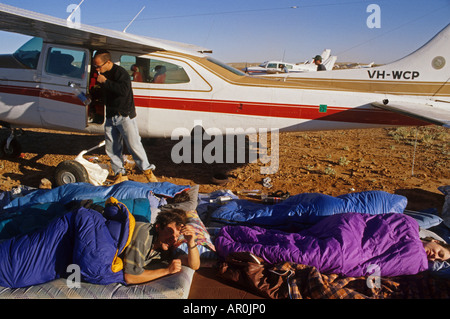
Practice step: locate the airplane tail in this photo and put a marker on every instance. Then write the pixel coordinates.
(429, 63)
(329, 63)
(325, 54)
(428, 68)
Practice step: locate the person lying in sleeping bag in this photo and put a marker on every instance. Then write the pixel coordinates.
(154, 243)
(95, 239)
(348, 244)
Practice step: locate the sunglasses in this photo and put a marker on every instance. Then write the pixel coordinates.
(99, 66)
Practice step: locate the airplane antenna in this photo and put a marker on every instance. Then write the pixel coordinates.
(125, 30)
(78, 6)
(414, 155)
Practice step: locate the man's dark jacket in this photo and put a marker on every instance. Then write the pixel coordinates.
(118, 93)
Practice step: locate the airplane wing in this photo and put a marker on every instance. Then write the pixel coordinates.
(438, 113)
(57, 30)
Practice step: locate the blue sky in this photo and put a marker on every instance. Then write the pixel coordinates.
(259, 30)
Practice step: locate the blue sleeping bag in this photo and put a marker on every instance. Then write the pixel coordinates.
(81, 191)
(83, 237)
(34, 210)
(308, 208)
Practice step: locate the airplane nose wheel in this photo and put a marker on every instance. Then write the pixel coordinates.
(69, 171)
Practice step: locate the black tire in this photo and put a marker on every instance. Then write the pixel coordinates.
(220, 179)
(13, 151)
(69, 171)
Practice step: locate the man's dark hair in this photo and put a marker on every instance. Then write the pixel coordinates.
(166, 217)
(104, 55)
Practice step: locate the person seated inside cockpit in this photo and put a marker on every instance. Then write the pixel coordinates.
(160, 76)
(136, 76)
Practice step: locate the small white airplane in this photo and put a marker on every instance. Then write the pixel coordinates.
(357, 65)
(328, 61)
(365, 66)
(275, 67)
(269, 67)
(34, 90)
(311, 67)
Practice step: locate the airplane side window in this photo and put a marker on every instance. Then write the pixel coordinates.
(138, 68)
(66, 62)
(29, 53)
(153, 71)
(163, 72)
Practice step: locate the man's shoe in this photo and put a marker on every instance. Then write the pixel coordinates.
(119, 178)
(150, 176)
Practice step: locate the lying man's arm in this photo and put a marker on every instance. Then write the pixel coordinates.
(192, 259)
(149, 275)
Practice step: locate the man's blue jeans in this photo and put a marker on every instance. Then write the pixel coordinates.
(119, 129)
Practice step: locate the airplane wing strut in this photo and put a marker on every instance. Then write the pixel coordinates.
(438, 113)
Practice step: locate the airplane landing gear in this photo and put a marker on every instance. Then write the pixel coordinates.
(10, 147)
(79, 170)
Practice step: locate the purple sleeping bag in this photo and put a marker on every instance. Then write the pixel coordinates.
(349, 244)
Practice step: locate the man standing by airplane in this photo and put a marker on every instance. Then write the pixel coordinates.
(318, 62)
(120, 124)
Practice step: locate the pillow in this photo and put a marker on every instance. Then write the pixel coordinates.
(189, 204)
(203, 237)
(425, 220)
(205, 252)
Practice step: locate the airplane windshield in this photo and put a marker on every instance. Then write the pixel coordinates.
(223, 65)
(28, 54)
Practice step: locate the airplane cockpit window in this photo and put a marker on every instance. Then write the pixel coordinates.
(226, 66)
(66, 62)
(153, 71)
(28, 54)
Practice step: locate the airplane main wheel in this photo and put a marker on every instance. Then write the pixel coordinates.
(13, 150)
(69, 171)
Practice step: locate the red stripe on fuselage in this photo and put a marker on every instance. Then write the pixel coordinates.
(43, 93)
(308, 112)
(293, 111)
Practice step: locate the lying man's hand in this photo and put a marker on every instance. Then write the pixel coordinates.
(175, 266)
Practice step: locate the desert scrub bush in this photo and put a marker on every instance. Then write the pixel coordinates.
(343, 161)
(329, 171)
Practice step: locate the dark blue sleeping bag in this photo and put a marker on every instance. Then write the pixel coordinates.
(83, 237)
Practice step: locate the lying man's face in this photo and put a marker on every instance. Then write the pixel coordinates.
(168, 236)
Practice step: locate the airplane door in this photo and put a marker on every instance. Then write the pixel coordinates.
(59, 106)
